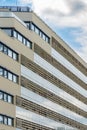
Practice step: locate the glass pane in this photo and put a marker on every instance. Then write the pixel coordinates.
(5, 97)
(14, 79)
(32, 27)
(5, 120)
(1, 47)
(1, 119)
(9, 99)
(36, 30)
(15, 56)
(1, 95)
(10, 121)
(15, 34)
(19, 37)
(43, 36)
(5, 74)
(8, 31)
(24, 41)
(1, 72)
(28, 44)
(5, 50)
(27, 25)
(9, 76)
(40, 34)
(9, 53)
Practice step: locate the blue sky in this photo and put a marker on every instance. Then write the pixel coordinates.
(68, 18)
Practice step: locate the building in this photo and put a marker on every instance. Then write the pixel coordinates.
(43, 82)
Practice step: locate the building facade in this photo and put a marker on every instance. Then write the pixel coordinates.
(43, 82)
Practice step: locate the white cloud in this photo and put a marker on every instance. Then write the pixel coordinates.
(64, 14)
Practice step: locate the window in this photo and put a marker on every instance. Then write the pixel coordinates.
(1, 47)
(6, 50)
(8, 31)
(1, 119)
(13, 33)
(19, 37)
(15, 56)
(10, 99)
(24, 41)
(9, 75)
(1, 95)
(1, 72)
(9, 53)
(6, 97)
(34, 28)
(6, 120)
(5, 74)
(10, 121)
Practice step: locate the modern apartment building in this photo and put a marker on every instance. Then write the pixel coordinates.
(43, 82)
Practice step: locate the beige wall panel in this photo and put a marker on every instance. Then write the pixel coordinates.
(6, 22)
(25, 16)
(9, 87)
(16, 45)
(11, 109)
(5, 127)
(40, 42)
(9, 63)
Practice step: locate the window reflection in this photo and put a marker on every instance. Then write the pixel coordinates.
(17, 35)
(34, 28)
(6, 120)
(6, 97)
(6, 50)
(1, 119)
(9, 75)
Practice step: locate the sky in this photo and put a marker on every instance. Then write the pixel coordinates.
(68, 18)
